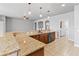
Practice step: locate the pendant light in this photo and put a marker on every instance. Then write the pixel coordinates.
(24, 17)
(29, 12)
(40, 12)
(48, 14)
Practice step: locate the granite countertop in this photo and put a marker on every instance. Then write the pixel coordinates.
(31, 32)
(8, 45)
(22, 43)
(27, 44)
(37, 33)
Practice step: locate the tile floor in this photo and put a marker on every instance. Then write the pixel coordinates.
(61, 47)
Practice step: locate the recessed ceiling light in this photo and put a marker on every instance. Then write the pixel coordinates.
(63, 5)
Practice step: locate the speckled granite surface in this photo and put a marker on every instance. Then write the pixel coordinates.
(28, 44)
(22, 42)
(8, 45)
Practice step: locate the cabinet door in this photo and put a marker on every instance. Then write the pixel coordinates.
(38, 37)
(46, 38)
(42, 38)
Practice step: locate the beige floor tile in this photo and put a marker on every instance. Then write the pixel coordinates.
(61, 47)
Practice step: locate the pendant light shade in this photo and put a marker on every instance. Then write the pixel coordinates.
(40, 12)
(48, 14)
(41, 15)
(29, 12)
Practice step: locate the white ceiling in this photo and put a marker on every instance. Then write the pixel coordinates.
(18, 9)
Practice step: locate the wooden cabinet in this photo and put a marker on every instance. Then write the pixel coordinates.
(42, 37)
(45, 37)
(36, 37)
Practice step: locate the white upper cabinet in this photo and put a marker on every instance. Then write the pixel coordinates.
(42, 24)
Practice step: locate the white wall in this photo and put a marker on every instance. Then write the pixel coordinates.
(76, 15)
(55, 20)
(18, 25)
(2, 25)
(67, 17)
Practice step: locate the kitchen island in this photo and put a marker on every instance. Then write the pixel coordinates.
(20, 44)
(43, 36)
(29, 46)
(8, 45)
(23, 44)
